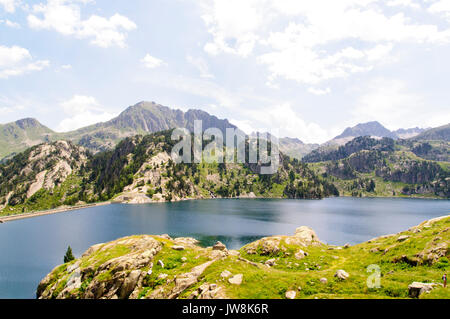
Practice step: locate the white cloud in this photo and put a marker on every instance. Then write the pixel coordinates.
(9, 5)
(441, 7)
(200, 65)
(10, 24)
(393, 104)
(15, 61)
(317, 91)
(403, 3)
(308, 41)
(285, 120)
(151, 62)
(82, 111)
(64, 16)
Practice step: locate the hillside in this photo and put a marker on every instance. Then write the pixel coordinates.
(42, 177)
(295, 148)
(409, 264)
(140, 170)
(441, 133)
(370, 167)
(20, 135)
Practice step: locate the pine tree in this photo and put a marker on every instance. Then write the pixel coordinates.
(68, 257)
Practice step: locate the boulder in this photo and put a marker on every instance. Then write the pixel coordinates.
(300, 254)
(186, 241)
(177, 247)
(307, 234)
(402, 238)
(417, 288)
(341, 274)
(270, 262)
(225, 274)
(236, 279)
(219, 246)
(129, 284)
(290, 294)
(324, 280)
(184, 281)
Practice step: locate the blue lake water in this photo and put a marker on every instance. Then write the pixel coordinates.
(31, 248)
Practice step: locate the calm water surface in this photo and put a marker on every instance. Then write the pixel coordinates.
(31, 248)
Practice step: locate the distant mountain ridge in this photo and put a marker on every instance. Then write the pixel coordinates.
(439, 133)
(367, 129)
(141, 118)
(150, 117)
(376, 129)
(19, 135)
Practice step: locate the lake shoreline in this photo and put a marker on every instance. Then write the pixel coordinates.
(4, 219)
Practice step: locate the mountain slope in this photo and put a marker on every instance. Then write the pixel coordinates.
(370, 167)
(142, 118)
(295, 148)
(140, 170)
(366, 129)
(441, 133)
(19, 135)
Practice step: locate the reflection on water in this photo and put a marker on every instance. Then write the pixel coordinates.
(30, 248)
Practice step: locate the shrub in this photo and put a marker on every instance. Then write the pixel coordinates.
(68, 257)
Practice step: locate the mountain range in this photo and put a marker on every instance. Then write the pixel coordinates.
(149, 117)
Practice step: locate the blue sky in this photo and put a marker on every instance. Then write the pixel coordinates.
(306, 68)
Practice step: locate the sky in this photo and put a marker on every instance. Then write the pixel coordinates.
(307, 69)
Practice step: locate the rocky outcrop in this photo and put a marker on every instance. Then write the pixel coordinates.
(160, 267)
(273, 246)
(418, 288)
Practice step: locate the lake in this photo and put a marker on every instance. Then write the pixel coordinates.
(31, 248)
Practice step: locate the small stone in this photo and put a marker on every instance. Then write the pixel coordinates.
(212, 286)
(176, 247)
(183, 259)
(341, 274)
(193, 295)
(347, 246)
(324, 280)
(403, 238)
(166, 236)
(225, 274)
(149, 272)
(300, 254)
(374, 250)
(219, 246)
(236, 280)
(163, 276)
(160, 263)
(291, 294)
(270, 262)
